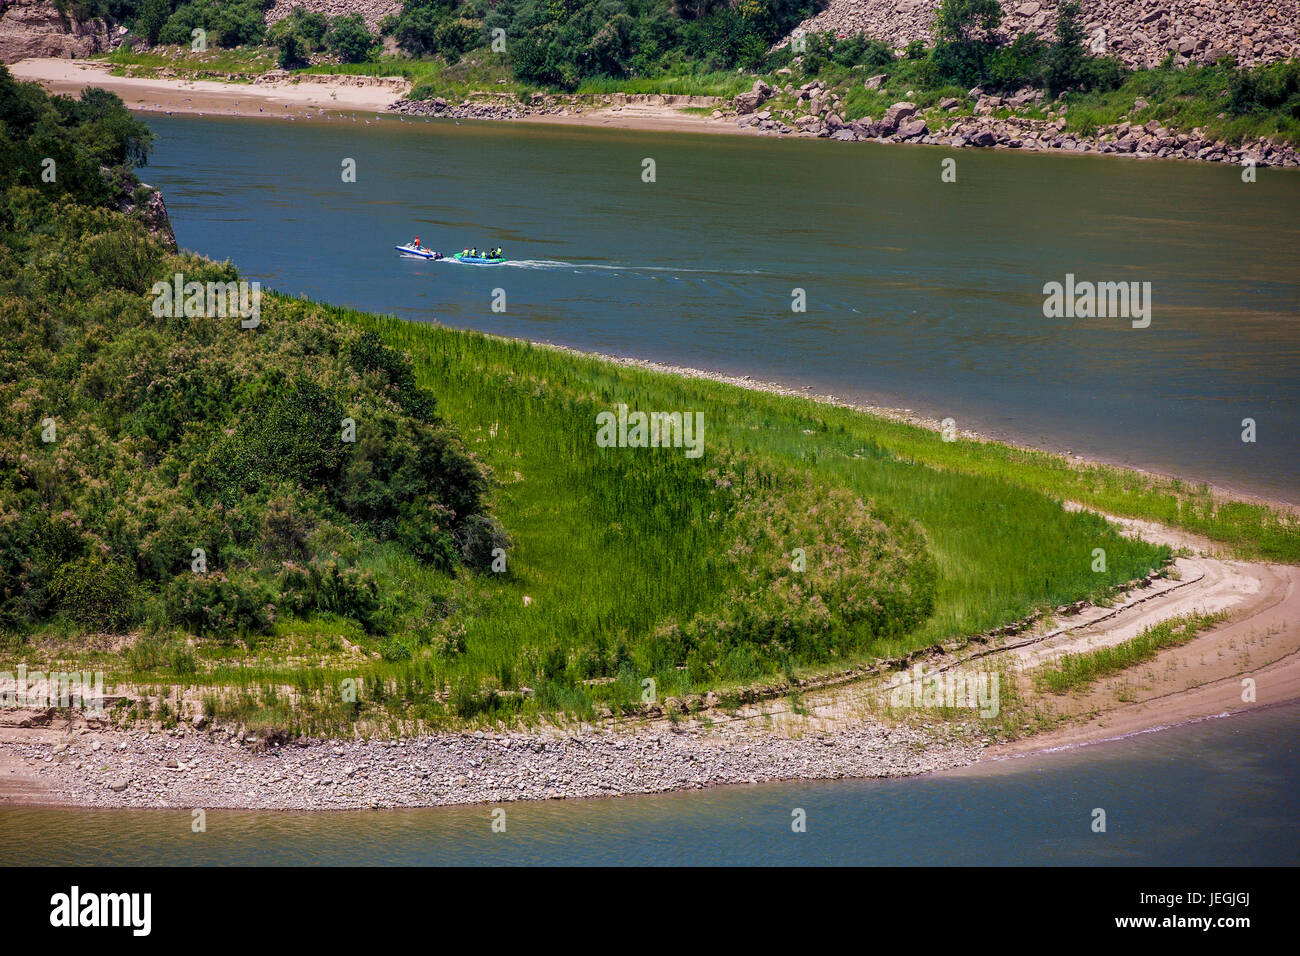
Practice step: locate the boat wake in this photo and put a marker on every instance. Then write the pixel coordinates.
(559, 265)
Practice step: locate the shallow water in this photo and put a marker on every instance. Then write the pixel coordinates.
(1217, 792)
(921, 294)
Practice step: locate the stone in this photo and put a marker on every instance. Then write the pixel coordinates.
(875, 82)
(118, 784)
(897, 114)
(912, 129)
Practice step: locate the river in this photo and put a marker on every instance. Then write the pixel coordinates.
(919, 293)
(1216, 792)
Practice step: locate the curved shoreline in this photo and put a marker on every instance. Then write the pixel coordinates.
(836, 732)
(908, 417)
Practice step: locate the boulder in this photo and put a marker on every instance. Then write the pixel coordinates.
(37, 28)
(896, 114)
(912, 129)
(875, 82)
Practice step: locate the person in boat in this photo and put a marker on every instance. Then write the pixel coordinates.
(496, 253)
(416, 243)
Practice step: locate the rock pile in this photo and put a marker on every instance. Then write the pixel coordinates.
(902, 123)
(1139, 32)
(372, 11)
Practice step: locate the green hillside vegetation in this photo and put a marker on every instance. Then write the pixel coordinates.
(474, 554)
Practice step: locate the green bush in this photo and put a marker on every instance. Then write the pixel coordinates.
(349, 40)
(97, 593)
(1269, 87)
(327, 587)
(227, 23)
(214, 603)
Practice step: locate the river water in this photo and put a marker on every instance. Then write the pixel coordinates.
(1218, 792)
(919, 293)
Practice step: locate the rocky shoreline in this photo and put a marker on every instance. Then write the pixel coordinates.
(505, 106)
(989, 125)
(230, 769)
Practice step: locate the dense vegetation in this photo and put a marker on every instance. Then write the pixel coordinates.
(711, 48)
(138, 437)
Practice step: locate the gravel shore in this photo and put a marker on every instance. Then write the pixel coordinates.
(186, 768)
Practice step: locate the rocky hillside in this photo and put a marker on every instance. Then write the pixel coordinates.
(36, 28)
(1140, 32)
(372, 11)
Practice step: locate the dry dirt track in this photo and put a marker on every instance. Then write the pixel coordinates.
(1259, 640)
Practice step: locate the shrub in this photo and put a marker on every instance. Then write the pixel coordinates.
(349, 40)
(214, 603)
(97, 593)
(329, 587)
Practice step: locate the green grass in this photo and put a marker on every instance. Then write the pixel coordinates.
(603, 565)
(254, 60)
(726, 83)
(1180, 99)
(1078, 672)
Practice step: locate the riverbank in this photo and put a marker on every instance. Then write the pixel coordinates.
(831, 729)
(808, 111)
(831, 735)
(308, 96)
(280, 99)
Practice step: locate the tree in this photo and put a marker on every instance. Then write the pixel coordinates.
(963, 21)
(349, 39)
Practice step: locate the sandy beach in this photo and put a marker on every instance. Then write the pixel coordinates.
(320, 94)
(207, 97)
